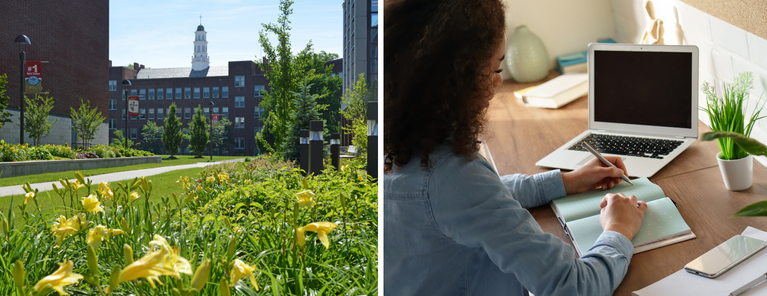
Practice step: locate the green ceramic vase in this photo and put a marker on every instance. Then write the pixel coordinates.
(526, 56)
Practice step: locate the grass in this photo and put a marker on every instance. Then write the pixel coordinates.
(48, 177)
(164, 185)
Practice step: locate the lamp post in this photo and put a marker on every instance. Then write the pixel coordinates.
(126, 86)
(22, 40)
(315, 147)
(335, 145)
(373, 139)
(210, 103)
(303, 145)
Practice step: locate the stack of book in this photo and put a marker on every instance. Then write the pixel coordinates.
(555, 93)
(575, 62)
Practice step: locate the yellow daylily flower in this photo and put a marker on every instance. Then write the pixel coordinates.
(151, 267)
(305, 198)
(210, 179)
(29, 196)
(105, 190)
(321, 228)
(247, 182)
(92, 204)
(96, 235)
(76, 185)
(133, 195)
(180, 264)
(60, 278)
(241, 270)
(63, 227)
(300, 238)
(223, 177)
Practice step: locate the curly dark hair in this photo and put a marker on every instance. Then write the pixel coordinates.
(434, 55)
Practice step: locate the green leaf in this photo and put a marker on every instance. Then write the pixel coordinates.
(758, 209)
(751, 146)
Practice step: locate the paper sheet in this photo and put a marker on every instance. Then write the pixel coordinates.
(682, 283)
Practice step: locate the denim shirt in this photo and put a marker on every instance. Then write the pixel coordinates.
(457, 228)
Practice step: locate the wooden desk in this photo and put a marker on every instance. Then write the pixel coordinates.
(519, 136)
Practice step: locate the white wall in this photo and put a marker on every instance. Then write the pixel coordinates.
(725, 50)
(61, 132)
(564, 26)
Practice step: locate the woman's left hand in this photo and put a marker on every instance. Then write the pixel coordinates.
(594, 175)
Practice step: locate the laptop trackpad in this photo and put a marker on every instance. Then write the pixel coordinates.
(590, 157)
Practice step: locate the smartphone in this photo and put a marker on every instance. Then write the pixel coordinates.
(725, 256)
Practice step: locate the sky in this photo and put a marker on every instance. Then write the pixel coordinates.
(160, 33)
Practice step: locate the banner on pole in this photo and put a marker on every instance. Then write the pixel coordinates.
(33, 77)
(214, 118)
(132, 105)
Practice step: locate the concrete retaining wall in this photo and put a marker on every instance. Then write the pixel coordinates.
(23, 168)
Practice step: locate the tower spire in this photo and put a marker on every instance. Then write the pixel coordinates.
(200, 59)
(201, 20)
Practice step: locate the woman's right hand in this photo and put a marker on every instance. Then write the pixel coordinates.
(620, 214)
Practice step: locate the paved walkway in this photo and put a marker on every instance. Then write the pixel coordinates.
(112, 177)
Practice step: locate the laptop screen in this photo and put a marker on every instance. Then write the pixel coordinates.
(642, 87)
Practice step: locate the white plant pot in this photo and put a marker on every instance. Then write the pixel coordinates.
(738, 173)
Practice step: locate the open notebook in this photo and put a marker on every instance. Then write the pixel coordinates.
(662, 224)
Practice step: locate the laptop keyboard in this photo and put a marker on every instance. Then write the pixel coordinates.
(630, 146)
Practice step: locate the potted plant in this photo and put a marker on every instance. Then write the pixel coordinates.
(728, 115)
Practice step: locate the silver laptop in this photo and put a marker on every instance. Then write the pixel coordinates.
(643, 107)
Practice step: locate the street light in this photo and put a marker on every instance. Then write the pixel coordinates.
(335, 145)
(316, 142)
(126, 86)
(373, 139)
(210, 103)
(22, 40)
(303, 145)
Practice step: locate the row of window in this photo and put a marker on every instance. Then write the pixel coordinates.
(239, 81)
(239, 143)
(239, 102)
(239, 122)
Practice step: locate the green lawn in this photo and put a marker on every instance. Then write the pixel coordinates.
(162, 184)
(182, 159)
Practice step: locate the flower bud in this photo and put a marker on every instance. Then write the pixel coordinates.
(227, 222)
(113, 279)
(124, 225)
(93, 261)
(5, 226)
(144, 184)
(80, 177)
(128, 253)
(201, 275)
(230, 251)
(224, 288)
(18, 275)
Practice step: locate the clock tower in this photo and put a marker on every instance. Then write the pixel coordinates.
(200, 59)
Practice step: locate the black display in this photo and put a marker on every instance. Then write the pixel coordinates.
(645, 88)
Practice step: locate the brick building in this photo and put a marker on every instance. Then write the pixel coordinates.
(235, 90)
(73, 38)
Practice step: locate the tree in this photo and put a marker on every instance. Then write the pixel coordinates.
(119, 140)
(86, 122)
(151, 134)
(282, 73)
(222, 133)
(198, 133)
(306, 110)
(36, 117)
(4, 115)
(172, 134)
(356, 111)
(325, 85)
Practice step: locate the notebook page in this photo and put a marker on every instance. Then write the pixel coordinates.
(581, 205)
(661, 221)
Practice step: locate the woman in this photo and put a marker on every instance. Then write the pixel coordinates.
(451, 225)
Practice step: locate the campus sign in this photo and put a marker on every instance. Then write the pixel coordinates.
(133, 106)
(33, 78)
(214, 118)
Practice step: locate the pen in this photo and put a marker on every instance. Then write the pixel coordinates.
(750, 285)
(605, 161)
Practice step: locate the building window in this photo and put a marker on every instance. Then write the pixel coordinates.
(205, 92)
(159, 94)
(239, 143)
(225, 150)
(112, 85)
(151, 94)
(187, 93)
(215, 92)
(123, 118)
(178, 93)
(151, 113)
(225, 92)
(186, 132)
(142, 114)
(133, 92)
(239, 122)
(133, 133)
(215, 110)
(256, 130)
(239, 81)
(169, 93)
(239, 102)
(196, 92)
(159, 113)
(259, 90)
(225, 112)
(187, 113)
(112, 104)
(142, 95)
(258, 112)
(178, 112)
(206, 112)
(112, 124)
